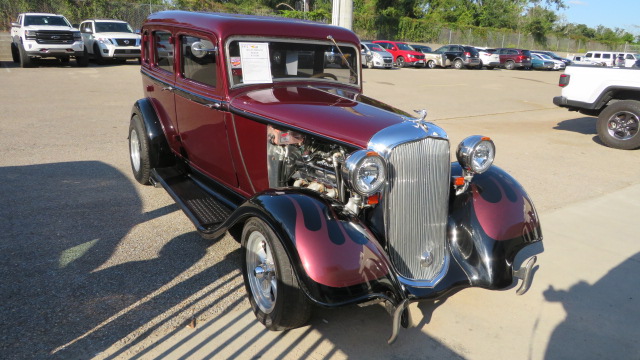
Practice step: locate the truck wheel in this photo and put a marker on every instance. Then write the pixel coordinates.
(139, 151)
(15, 53)
(83, 61)
(457, 64)
(510, 65)
(431, 64)
(25, 60)
(97, 54)
(618, 125)
(272, 286)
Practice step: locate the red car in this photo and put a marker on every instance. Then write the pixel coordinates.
(403, 53)
(335, 198)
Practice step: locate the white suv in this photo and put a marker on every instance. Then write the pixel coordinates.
(110, 39)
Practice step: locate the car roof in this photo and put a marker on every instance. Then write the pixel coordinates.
(225, 25)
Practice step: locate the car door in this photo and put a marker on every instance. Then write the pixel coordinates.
(86, 31)
(199, 107)
(159, 80)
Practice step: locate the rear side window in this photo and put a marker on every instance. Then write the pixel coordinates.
(163, 46)
(606, 56)
(198, 59)
(597, 56)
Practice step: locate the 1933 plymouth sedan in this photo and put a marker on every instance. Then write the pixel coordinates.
(335, 197)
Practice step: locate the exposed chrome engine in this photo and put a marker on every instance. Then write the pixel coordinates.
(301, 161)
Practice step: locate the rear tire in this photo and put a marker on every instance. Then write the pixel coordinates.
(458, 64)
(618, 125)
(479, 67)
(510, 65)
(139, 151)
(270, 279)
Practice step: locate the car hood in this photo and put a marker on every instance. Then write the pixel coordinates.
(49, 27)
(118, 35)
(383, 53)
(327, 112)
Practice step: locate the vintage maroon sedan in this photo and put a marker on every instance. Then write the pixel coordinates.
(335, 197)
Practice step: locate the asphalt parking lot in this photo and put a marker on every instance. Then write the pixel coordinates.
(95, 266)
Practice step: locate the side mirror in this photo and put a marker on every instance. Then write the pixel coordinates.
(199, 50)
(87, 31)
(15, 24)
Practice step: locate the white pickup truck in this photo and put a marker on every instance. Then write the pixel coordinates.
(611, 94)
(40, 35)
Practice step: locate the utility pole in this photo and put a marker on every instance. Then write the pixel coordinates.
(342, 13)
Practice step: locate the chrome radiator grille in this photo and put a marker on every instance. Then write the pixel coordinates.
(416, 206)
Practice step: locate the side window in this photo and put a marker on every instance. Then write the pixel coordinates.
(629, 57)
(146, 46)
(597, 56)
(163, 45)
(198, 60)
(606, 56)
(588, 55)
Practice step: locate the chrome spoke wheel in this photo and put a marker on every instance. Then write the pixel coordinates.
(134, 150)
(623, 125)
(261, 272)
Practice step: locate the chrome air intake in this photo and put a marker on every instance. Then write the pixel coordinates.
(415, 200)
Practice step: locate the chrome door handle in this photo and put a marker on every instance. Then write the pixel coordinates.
(168, 88)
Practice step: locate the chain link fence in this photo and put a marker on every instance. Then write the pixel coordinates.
(136, 13)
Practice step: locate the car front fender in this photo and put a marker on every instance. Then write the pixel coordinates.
(489, 224)
(336, 258)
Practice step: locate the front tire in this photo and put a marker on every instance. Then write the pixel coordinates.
(618, 125)
(431, 64)
(97, 54)
(25, 60)
(139, 151)
(15, 53)
(400, 62)
(270, 280)
(83, 61)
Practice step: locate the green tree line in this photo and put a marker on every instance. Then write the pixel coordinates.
(411, 20)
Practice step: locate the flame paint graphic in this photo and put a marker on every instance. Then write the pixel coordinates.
(503, 213)
(336, 263)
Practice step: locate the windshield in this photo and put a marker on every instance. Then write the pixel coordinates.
(376, 48)
(103, 26)
(45, 20)
(259, 62)
(402, 46)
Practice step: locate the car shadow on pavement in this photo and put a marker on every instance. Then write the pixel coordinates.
(584, 125)
(61, 223)
(591, 329)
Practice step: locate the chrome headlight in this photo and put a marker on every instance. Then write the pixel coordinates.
(476, 153)
(365, 172)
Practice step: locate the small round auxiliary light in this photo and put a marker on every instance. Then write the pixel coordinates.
(476, 154)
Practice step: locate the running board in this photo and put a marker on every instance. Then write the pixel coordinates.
(203, 208)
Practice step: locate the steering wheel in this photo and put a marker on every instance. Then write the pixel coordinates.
(325, 75)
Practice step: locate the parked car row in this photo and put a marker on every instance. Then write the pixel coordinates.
(43, 35)
(387, 54)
